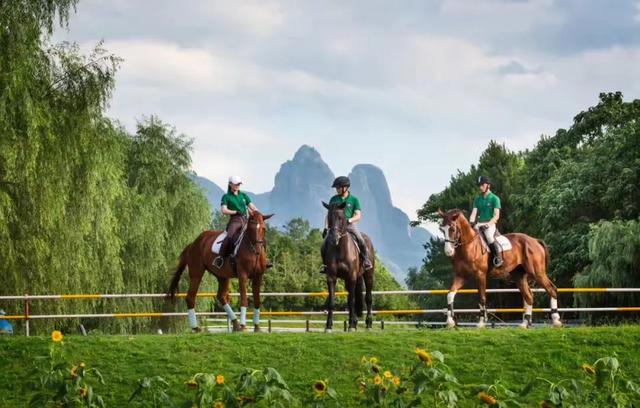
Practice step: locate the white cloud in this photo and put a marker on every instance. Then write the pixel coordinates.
(260, 18)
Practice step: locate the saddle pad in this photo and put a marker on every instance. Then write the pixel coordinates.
(215, 248)
(504, 243)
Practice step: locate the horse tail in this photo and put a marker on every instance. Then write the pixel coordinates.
(182, 264)
(359, 295)
(546, 256)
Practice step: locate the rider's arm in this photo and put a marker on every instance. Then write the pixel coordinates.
(252, 208)
(496, 216)
(474, 214)
(357, 214)
(226, 211)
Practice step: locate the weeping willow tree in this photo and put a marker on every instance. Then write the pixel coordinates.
(614, 252)
(84, 207)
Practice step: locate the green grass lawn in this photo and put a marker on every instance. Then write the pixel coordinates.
(476, 356)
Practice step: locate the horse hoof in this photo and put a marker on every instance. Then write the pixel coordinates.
(451, 324)
(196, 330)
(557, 323)
(236, 325)
(524, 325)
(351, 329)
(256, 328)
(243, 328)
(481, 325)
(328, 331)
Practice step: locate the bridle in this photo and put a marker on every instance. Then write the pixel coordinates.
(337, 233)
(257, 245)
(458, 239)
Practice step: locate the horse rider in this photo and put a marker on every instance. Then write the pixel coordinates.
(237, 205)
(486, 207)
(352, 212)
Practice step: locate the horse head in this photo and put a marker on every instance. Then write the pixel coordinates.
(256, 227)
(453, 221)
(337, 221)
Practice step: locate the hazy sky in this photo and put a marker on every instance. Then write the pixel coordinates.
(417, 88)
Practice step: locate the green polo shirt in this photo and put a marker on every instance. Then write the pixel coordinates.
(486, 205)
(352, 206)
(237, 202)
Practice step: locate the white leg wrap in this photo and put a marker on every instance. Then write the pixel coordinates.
(230, 314)
(256, 316)
(528, 309)
(554, 303)
(450, 297)
(243, 316)
(555, 317)
(193, 323)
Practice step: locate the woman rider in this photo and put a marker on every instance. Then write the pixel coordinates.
(237, 205)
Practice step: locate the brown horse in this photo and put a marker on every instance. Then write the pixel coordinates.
(342, 260)
(527, 260)
(251, 262)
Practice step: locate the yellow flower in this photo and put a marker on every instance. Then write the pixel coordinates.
(82, 365)
(83, 392)
(218, 404)
(191, 383)
(375, 368)
(588, 369)
(219, 379)
(56, 336)
(486, 398)
(546, 404)
(377, 380)
(373, 360)
(320, 387)
(396, 380)
(387, 374)
(74, 372)
(424, 356)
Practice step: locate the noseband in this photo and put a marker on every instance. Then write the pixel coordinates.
(255, 245)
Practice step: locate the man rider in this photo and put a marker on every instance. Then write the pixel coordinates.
(486, 207)
(237, 205)
(352, 212)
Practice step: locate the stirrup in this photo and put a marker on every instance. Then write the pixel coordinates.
(323, 269)
(218, 262)
(497, 262)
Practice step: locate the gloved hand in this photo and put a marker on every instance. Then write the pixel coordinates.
(324, 233)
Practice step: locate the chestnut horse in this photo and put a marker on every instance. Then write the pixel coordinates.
(527, 260)
(342, 260)
(251, 262)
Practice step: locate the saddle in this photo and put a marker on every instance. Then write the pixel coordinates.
(503, 242)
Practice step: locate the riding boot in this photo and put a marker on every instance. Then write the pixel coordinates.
(323, 269)
(234, 265)
(366, 262)
(497, 257)
(269, 264)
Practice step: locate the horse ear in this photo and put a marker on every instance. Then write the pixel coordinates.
(342, 205)
(266, 217)
(455, 215)
(325, 205)
(441, 213)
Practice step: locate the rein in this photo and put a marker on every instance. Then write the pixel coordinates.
(458, 241)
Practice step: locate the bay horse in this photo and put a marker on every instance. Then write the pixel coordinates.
(342, 260)
(251, 262)
(527, 260)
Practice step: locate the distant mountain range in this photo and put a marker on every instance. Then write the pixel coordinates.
(304, 181)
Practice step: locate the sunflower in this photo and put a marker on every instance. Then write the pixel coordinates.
(588, 369)
(74, 372)
(191, 383)
(373, 360)
(396, 380)
(82, 365)
(424, 356)
(56, 336)
(218, 404)
(377, 380)
(387, 374)
(83, 392)
(486, 398)
(219, 379)
(320, 388)
(375, 368)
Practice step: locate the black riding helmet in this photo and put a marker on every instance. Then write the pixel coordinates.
(341, 181)
(483, 180)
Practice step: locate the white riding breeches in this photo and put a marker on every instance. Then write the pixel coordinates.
(489, 232)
